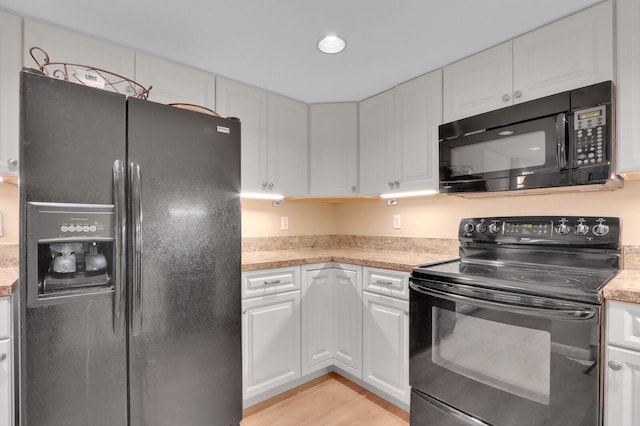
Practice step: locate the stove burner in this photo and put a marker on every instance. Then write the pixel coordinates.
(543, 278)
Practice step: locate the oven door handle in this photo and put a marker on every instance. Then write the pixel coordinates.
(561, 136)
(575, 313)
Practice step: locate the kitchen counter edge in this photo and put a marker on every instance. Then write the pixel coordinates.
(8, 280)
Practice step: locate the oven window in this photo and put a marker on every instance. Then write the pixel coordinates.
(507, 153)
(510, 358)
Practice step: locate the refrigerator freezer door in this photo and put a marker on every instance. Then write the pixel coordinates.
(73, 366)
(185, 359)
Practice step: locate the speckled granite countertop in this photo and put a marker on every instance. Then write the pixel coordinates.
(625, 287)
(8, 277)
(395, 260)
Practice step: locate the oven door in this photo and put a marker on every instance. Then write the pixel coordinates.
(479, 357)
(527, 155)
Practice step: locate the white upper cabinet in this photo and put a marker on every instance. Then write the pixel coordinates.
(479, 83)
(377, 138)
(287, 145)
(175, 83)
(628, 87)
(274, 138)
(67, 46)
(249, 104)
(573, 52)
(333, 149)
(418, 115)
(10, 64)
(399, 137)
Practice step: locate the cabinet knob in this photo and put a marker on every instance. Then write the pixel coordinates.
(614, 365)
(397, 184)
(505, 97)
(244, 311)
(12, 163)
(517, 94)
(3, 357)
(390, 185)
(270, 186)
(264, 186)
(354, 189)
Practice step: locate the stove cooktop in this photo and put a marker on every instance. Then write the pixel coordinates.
(576, 284)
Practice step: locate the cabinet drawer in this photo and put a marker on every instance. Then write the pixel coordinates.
(270, 281)
(5, 317)
(623, 324)
(386, 282)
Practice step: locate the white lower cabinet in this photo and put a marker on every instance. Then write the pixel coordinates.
(332, 317)
(270, 338)
(6, 363)
(6, 383)
(622, 365)
(385, 335)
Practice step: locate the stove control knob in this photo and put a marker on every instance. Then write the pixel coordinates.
(581, 228)
(494, 227)
(468, 227)
(481, 227)
(600, 230)
(563, 228)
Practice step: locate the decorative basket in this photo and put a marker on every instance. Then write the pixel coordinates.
(88, 76)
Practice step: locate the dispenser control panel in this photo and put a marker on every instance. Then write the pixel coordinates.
(71, 221)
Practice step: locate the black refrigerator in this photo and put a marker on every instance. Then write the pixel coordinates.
(130, 261)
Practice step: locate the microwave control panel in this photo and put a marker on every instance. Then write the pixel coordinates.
(590, 135)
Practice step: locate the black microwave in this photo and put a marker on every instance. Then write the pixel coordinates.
(562, 140)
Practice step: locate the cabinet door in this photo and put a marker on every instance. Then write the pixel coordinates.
(10, 63)
(249, 104)
(628, 87)
(570, 53)
(418, 114)
(377, 138)
(317, 324)
(333, 149)
(175, 83)
(287, 145)
(623, 324)
(270, 342)
(6, 383)
(479, 83)
(386, 345)
(71, 47)
(622, 387)
(347, 320)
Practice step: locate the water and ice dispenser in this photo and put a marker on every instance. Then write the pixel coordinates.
(70, 251)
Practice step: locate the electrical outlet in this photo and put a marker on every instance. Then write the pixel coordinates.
(396, 221)
(284, 222)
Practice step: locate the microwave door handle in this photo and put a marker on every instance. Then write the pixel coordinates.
(561, 137)
(577, 313)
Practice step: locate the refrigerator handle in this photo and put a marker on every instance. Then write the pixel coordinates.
(120, 243)
(136, 244)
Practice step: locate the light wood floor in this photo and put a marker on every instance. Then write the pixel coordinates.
(327, 400)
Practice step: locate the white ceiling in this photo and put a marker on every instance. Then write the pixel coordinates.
(272, 43)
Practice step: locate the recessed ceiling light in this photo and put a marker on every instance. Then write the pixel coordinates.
(331, 44)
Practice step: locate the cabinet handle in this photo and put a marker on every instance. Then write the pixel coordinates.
(3, 357)
(12, 163)
(397, 184)
(614, 365)
(272, 282)
(517, 94)
(390, 185)
(384, 282)
(505, 97)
